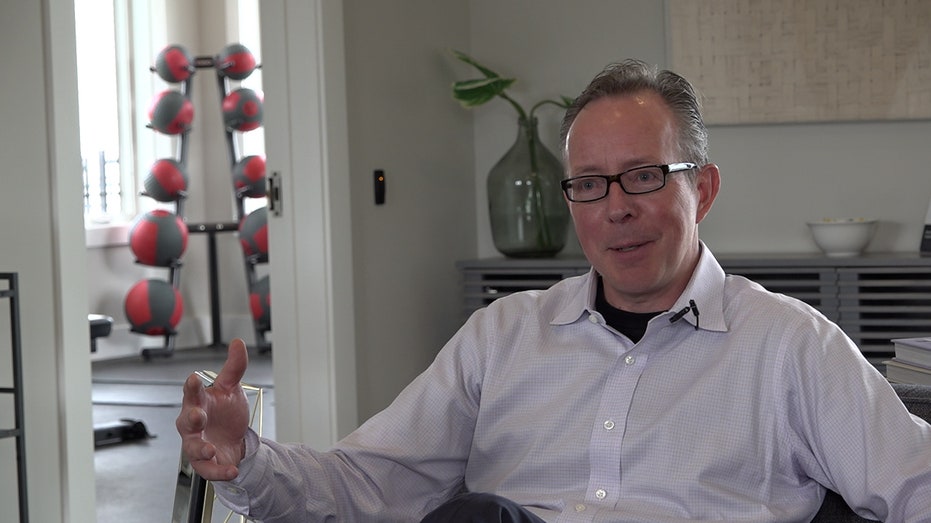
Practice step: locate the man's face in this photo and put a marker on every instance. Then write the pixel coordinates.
(645, 246)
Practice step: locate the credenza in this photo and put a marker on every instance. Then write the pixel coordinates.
(874, 297)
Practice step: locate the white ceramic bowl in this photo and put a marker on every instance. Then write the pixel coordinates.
(842, 236)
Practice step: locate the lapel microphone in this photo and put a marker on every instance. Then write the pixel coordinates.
(690, 307)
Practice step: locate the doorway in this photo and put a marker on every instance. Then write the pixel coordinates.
(126, 388)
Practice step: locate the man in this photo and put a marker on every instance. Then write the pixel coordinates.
(655, 388)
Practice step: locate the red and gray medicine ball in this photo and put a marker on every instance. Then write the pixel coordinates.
(260, 302)
(174, 64)
(253, 233)
(242, 110)
(235, 61)
(154, 307)
(171, 112)
(158, 238)
(167, 180)
(249, 176)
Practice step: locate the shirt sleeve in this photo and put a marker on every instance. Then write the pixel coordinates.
(397, 466)
(856, 436)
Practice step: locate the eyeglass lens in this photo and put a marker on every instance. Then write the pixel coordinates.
(640, 180)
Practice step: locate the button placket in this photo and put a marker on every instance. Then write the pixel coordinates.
(608, 436)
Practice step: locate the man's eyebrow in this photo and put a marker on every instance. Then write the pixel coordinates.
(586, 170)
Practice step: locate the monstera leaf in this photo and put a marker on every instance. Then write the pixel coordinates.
(477, 91)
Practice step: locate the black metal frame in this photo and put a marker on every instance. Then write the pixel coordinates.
(12, 292)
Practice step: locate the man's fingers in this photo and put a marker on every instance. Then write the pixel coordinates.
(237, 359)
(202, 457)
(196, 449)
(211, 471)
(191, 421)
(193, 388)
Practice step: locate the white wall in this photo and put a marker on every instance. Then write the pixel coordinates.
(403, 120)
(777, 177)
(42, 237)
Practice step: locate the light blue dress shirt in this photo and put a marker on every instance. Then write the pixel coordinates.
(746, 418)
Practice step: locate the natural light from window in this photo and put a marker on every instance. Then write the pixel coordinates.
(97, 85)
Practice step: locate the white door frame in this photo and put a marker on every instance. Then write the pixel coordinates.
(310, 242)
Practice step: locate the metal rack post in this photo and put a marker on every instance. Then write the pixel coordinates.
(17, 431)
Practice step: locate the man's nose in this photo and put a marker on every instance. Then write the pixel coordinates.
(620, 204)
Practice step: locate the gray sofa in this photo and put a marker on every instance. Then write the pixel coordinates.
(917, 398)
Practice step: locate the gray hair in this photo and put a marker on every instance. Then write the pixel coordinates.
(631, 76)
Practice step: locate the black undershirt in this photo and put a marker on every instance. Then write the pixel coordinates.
(630, 324)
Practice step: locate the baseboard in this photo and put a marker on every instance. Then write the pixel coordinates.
(192, 333)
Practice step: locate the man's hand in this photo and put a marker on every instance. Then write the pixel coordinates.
(213, 420)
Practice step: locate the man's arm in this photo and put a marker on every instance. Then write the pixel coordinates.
(862, 441)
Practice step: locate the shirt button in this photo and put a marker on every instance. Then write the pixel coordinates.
(600, 493)
(580, 508)
(630, 360)
(592, 318)
(609, 425)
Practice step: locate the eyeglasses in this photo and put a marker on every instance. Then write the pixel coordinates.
(639, 180)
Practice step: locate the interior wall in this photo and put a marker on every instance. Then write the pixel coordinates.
(42, 241)
(774, 177)
(777, 177)
(403, 120)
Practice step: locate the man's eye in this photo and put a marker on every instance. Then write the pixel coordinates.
(645, 176)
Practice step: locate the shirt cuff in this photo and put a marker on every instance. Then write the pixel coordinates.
(231, 493)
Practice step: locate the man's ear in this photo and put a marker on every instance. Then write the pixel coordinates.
(707, 184)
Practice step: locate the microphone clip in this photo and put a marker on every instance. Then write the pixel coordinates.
(691, 307)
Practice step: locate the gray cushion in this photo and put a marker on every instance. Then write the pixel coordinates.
(917, 399)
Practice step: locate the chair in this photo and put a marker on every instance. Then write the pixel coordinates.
(917, 399)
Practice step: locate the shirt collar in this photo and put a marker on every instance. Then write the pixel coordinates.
(705, 288)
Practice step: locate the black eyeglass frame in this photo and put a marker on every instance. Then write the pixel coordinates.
(667, 169)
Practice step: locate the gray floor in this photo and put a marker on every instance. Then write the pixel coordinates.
(136, 480)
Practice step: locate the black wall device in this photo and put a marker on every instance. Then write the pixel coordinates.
(379, 176)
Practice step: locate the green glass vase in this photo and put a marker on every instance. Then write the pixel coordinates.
(529, 218)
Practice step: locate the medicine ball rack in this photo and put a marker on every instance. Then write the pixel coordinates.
(211, 229)
(174, 268)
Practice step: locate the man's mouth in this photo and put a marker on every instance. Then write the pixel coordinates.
(627, 248)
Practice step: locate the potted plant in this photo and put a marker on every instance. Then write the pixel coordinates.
(529, 217)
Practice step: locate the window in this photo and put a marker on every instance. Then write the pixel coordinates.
(98, 88)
